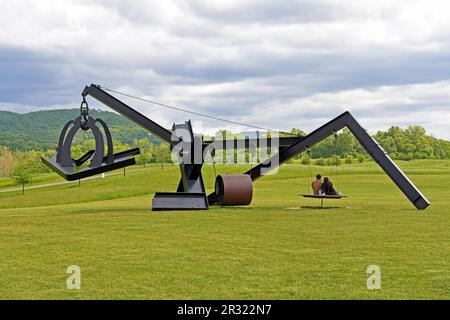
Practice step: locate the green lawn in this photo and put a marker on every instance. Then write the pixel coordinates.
(280, 247)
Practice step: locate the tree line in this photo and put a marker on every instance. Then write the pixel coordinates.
(402, 144)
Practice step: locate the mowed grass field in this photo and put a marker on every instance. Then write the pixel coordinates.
(279, 247)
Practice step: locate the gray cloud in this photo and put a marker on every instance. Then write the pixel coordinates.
(272, 12)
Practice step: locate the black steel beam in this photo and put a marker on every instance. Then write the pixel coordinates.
(371, 146)
(97, 93)
(385, 162)
(308, 141)
(247, 143)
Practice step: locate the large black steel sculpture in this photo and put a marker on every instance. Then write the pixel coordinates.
(191, 192)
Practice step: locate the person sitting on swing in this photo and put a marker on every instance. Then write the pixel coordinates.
(327, 187)
(317, 185)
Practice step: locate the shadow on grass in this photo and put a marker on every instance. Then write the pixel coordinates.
(315, 208)
(123, 211)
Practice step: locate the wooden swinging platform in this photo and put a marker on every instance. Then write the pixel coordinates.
(324, 197)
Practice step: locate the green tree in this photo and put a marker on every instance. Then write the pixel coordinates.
(320, 162)
(22, 172)
(6, 162)
(294, 132)
(146, 148)
(348, 159)
(120, 146)
(305, 159)
(163, 154)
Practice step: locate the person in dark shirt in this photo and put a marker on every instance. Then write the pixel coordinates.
(327, 187)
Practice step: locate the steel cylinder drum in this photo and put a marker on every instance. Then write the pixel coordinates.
(234, 189)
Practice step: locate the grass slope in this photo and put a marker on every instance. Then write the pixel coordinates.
(278, 247)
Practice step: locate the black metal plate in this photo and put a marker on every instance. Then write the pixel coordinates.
(179, 201)
(121, 160)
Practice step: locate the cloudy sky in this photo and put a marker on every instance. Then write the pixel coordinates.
(277, 64)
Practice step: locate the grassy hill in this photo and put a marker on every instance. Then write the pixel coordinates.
(281, 246)
(40, 130)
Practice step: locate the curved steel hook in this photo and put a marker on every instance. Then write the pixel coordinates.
(64, 152)
(110, 153)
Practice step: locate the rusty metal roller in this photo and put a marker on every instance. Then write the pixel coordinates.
(234, 189)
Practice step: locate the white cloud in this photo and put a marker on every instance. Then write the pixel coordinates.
(378, 108)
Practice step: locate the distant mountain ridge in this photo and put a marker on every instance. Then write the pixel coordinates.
(40, 130)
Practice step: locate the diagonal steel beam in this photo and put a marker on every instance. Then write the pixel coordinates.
(97, 93)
